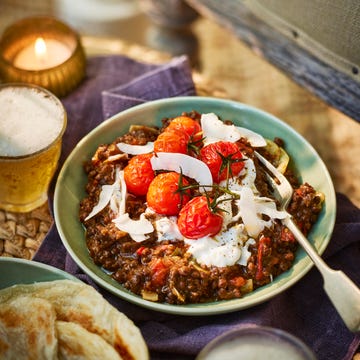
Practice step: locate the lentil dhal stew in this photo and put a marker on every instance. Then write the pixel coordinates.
(183, 214)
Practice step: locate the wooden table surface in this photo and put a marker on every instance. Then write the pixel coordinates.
(290, 37)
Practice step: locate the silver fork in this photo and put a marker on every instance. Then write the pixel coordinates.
(343, 293)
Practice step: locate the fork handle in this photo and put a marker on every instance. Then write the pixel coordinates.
(342, 292)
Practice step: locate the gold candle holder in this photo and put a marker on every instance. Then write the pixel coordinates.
(56, 63)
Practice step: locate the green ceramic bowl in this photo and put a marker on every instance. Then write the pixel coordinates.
(71, 184)
(20, 271)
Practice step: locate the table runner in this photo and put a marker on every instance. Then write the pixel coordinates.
(114, 83)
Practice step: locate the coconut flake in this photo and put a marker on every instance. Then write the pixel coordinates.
(215, 130)
(136, 149)
(111, 193)
(249, 216)
(254, 138)
(137, 229)
(188, 165)
(251, 209)
(118, 198)
(104, 198)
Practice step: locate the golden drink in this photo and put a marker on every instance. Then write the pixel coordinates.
(32, 122)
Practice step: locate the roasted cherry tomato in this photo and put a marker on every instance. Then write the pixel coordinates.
(138, 174)
(163, 195)
(173, 141)
(223, 158)
(187, 124)
(197, 220)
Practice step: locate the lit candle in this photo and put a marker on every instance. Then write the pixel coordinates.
(44, 51)
(43, 54)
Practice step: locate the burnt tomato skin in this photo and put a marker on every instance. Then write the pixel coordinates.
(197, 220)
(186, 124)
(164, 195)
(172, 141)
(138, 174)
(223, 158)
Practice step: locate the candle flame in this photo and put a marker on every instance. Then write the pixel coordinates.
(40, 48)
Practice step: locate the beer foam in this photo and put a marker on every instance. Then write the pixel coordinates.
(30, 120)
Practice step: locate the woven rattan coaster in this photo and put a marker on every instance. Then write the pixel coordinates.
(22, 233)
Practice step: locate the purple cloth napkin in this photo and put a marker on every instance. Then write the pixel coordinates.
(303, 310)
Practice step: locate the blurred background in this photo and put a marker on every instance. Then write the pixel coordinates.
(116, 19)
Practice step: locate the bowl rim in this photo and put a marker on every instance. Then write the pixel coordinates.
(21, 263)
(211, 308)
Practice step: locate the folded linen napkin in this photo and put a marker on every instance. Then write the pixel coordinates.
(114, 83)
(303, 310)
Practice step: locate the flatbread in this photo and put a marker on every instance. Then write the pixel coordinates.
(27, 334)
(76, 302)
(76, 343)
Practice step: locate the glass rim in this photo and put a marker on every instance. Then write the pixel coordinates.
(261, 331)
